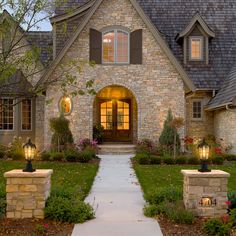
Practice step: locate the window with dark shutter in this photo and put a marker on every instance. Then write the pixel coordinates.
(136, 47)
(95, 49)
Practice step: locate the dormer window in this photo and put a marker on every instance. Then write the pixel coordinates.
(115, 47)
(196, 48)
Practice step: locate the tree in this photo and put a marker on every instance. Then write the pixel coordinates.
(169, 137)
(18, 18)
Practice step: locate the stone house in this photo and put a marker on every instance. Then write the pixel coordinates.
(150, 56)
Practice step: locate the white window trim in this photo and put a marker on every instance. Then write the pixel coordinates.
(10, 130)
(31, 125)
(115, 46)
(197, 119)
(191, 38)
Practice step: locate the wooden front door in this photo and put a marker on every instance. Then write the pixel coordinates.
(115, 117)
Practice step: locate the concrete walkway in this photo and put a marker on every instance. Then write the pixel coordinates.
(117, 198)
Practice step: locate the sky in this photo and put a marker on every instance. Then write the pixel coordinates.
(43, 26)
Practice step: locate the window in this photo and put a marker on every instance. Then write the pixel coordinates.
(196, 48)
(65, 105)
(197, 110)
(6, 114)
(26, 114)
(115, 47)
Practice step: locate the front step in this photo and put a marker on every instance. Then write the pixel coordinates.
(116, 149)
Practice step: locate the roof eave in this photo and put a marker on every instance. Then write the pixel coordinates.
(218, 107)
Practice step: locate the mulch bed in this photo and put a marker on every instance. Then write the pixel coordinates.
(170, 228)
(31, 227)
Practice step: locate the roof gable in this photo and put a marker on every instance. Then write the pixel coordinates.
(157, 35)
(196, 19)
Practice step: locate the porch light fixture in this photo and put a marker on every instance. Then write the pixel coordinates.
(30, 151)
(204, 150)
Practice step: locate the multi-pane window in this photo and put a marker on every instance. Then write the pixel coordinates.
(123, 116)
(196, 44)
(106, 115)
(6, 114)
(26, 109)
(115, 45)
(197, 110)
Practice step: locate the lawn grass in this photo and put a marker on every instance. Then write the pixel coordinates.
(74, 177)
(152, 177)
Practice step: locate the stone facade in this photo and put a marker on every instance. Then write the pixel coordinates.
(203, 127)
(27, 193)
(205, 194)
(156, 84)
(225, 128)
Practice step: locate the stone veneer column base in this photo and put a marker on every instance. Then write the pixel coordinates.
(203, 186)
(27, 193)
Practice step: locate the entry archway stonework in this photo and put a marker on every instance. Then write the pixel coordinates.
(156, 84)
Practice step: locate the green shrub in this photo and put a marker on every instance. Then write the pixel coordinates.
(62, 136)
(216, 227)
(193, 161)
(145, 146)
(232, 200)
(142, 158)
(229, 157)
(178, 213)
(165, 194)
(169, 160)
(57, 156)
(153, 210)
(217, 160)
(2, 154)
(86, 155)
(181, 160)
(168, 134)
(45, 156)
(16, 151)
(64, 209)
(3, 206)
(98, 133)
(155, 160)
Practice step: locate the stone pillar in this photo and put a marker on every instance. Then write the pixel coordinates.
(205, 194)
(27, 193)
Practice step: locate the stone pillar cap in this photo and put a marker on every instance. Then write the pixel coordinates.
(213, 173)
(20, 174)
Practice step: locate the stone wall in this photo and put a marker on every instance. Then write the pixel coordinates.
(156, 84)
(27, 193)
(205, 194)
(225, 127)
(205, 126)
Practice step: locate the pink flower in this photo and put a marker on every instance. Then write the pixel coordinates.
(228, 203)
(225, 219)
(46, 226)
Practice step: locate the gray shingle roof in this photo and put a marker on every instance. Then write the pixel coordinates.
(227, 93)
(16, 85)
(44, 41)
(172, 16)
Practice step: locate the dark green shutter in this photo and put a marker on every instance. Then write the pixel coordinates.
(95, 46)
(136, 47)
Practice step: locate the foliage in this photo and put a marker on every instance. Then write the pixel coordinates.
(154, 160)
(62, 136)
(87, 155)
(169, 160)
(16, 151)
(142, 158)
(42, 229)
(229, 157)
(216, 227)
(218, 160)
(181, 160)
(193, 161)
(169, 134)
(45, 156)
(2, 206)
(57, 156)
(87, 143)
(145, 146)
(98, 133)
(71, 155)
(158, 196)
(2, 154)
(153, 210)
(232, 200)
(72, 210)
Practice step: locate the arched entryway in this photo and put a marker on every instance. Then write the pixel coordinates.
(115, 108)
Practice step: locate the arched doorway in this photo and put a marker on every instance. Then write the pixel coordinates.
(115, 108)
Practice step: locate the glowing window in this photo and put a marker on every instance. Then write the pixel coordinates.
(65, 105)
(196, 48)
(115, 45)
